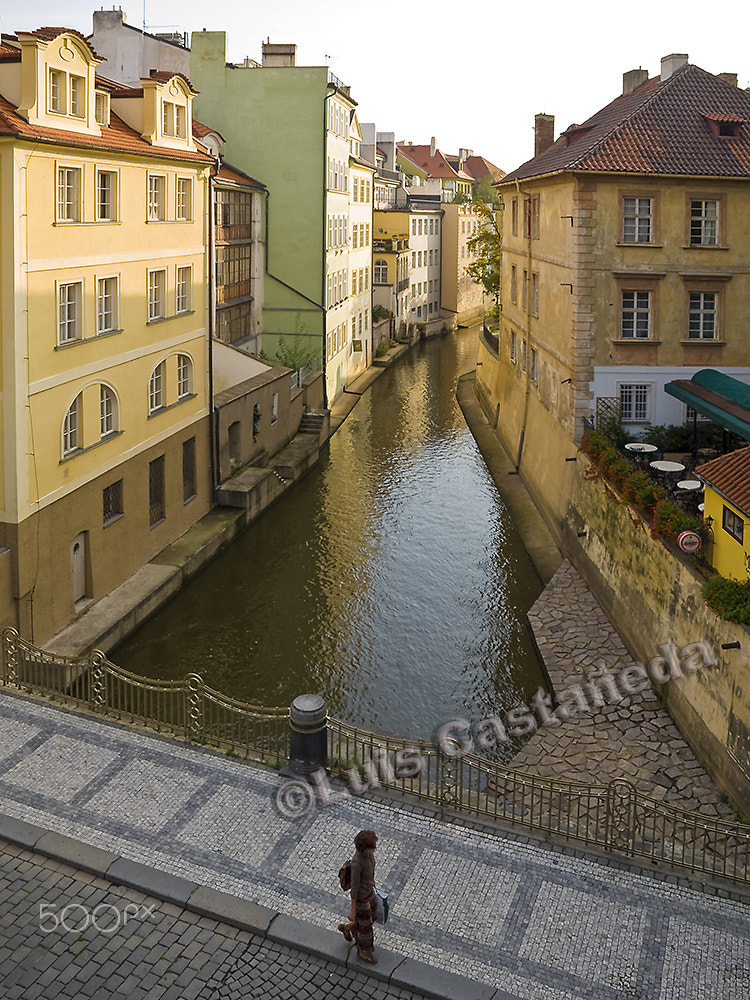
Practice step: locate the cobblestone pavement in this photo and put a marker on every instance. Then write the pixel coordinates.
(634, 739)
(541, 924)
(66, 934)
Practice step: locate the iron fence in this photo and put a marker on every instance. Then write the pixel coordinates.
(614, 817)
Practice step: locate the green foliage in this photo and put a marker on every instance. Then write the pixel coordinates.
(679, 437)
(643, 492)
(294, 353)
(484, 191)
(670, 520)
(383, 347)
(729, 599)
(380, 312)
(487, 244)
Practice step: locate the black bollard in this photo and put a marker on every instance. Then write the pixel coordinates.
(308, 736)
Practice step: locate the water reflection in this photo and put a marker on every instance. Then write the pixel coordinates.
(390, 580)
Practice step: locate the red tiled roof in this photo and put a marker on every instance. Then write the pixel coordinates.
(50, 34)
(658, 128)
(162, 76)
(201, 131)
(118, 137)
(730, 476)
(436, 166)
(9, 53)
(479, 168)
(237, 176)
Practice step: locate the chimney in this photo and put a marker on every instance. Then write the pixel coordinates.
(544, 133)
(632, 79)
(728, 78)
(433, 146)
(670, 64)
(279, 55)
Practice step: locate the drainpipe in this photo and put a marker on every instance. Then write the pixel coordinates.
(528, 331)
(213, 414)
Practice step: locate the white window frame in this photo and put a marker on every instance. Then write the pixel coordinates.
(157, 294)
(184, 288)
(636, 306)
(101, 108)
(184, 376)
(69, 312)
(180, 121)
(636, 400)
(156, 198)
(156, 388)
(106, 304)
(107, 411)
(77, 90)
(72, 427)
(704, 228)
(702, 316)
(637, 219)
(57, 91)
(167, 118)
(184, 199)
(69, 193)
(106, 208)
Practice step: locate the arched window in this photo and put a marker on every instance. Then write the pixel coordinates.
(72, 426)
(107, 411)
(156, 388)
(184, 375)
(380, 272)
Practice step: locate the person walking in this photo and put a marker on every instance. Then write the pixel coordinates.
(363, 906)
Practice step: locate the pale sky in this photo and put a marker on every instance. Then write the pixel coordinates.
(474, 74)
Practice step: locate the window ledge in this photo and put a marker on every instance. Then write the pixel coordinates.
(111, 520)
(86, 340)
(171, 406)
(635, 340)
(97, 444)
(704, 246)
(703, 342)
(654, 246)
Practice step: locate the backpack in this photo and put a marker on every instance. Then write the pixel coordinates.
(345, 875)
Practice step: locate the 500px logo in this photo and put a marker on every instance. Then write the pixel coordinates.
(75, 917)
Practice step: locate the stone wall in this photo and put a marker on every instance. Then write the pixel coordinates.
(653, 594)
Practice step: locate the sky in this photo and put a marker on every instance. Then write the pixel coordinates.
(473, 77)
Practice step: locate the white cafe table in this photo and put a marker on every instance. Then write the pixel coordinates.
(690, 484)
(663, 466)
(640, 447)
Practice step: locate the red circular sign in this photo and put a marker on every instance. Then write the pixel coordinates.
(689, 541)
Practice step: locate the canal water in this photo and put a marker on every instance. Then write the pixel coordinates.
(390, 580)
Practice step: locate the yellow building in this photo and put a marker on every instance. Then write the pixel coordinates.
(626, 265)
(103, 315)
(727, 511)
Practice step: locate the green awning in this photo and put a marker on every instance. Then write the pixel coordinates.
(721, 398)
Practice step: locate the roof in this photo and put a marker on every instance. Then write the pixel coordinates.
(730, 476)
(117, 137)
(721, 398)
(435, 164)
(479, 168)
(50, 34)
(661, 127)
(164, 76)
(229, 173)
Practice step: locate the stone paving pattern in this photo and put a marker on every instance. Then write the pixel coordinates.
(539, 923)
(635, 739)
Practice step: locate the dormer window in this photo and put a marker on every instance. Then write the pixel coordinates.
(67, 94)
(724, 126)
(57, 91)
(179, 121)
(78, 96)
(173, 119)
(729, 128)
(102, 108)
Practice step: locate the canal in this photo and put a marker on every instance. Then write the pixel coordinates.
(390, 580)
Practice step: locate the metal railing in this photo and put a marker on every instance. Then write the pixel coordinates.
(614, 817)
(186, 708)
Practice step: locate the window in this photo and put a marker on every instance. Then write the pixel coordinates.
(514, 217)
(112, 508)
(106, 195)
(525, 289)
(636, 220)
(184, 199)
(69, 194)
(188, 470)
(69, 313)
(106, 305)
(156, 388)
(702, 316)
(157, 186)
(733, 524)
(167, 118)
(513, 346)
(184, 375)
(157, 283)
(72, 426)
(532, 366)
(531, 211)
(380, 272)
(534, 294)
(636, 315)
(101, 108)
(56, 96)
(78, 96)
(156, 505)
(635, 400)
(274, 408)
(107, 412)
(180, 118)
(704, 223)
(184, 289)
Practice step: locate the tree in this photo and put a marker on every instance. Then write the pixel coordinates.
(292, 353)
(487, 244)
